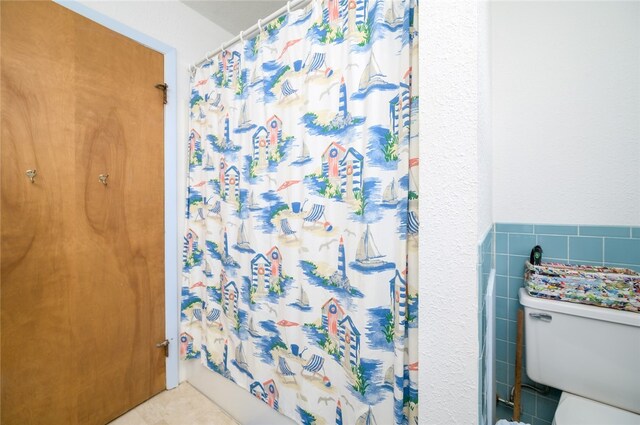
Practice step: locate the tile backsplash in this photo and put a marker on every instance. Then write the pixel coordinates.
(616, 246)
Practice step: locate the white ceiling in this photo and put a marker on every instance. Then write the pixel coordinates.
(235, 16)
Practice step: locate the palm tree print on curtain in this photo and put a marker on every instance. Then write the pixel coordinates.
(300, 274)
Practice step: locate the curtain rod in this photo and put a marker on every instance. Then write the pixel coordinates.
(291, 5)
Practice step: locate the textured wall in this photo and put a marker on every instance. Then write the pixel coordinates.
(485, 154)
(566, 108)
(449, 212)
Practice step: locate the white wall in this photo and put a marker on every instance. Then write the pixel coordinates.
(485, 154)
(566, 112)
(449, 211)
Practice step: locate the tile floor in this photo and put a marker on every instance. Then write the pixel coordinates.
(181, 406)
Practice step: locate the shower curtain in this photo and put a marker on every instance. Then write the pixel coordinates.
(299, 275)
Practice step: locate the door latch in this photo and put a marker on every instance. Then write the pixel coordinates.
(164, 344)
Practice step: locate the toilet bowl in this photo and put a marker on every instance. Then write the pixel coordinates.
(590, 353)
(574, 410)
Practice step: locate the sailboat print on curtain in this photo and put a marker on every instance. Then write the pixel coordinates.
(242, 243)
(390, 194)
(299, 260)
(304, 156)
(244, 123)
(368, 255)
(372, 79)
(302, 302)
(372, 74)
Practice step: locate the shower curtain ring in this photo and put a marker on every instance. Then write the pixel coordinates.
(260, 24)
(241, 36)
(289, 7)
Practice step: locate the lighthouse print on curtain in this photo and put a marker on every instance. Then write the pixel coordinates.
(299, 274)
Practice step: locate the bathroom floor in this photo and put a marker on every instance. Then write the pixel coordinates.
(181, 406)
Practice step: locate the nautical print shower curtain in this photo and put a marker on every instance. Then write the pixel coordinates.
(300, 277)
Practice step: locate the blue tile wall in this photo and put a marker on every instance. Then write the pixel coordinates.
(586, 249)
(555, 247)
(502, 243)
(622, 251)
(611, 231)
(552, 229)
(502, 287)
(514, 228)
(521, 244)
(616, 246)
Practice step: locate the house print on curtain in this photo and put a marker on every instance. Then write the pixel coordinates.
(300, 275)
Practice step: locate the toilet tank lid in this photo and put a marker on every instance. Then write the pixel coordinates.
(582, 310)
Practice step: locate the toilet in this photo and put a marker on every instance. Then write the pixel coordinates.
(590, 353)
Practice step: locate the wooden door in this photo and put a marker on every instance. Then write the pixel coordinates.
(82, 263)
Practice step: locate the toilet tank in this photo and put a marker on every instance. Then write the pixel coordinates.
(589, 351)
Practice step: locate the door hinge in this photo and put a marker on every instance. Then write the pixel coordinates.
(164, 344)
(164, 87)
